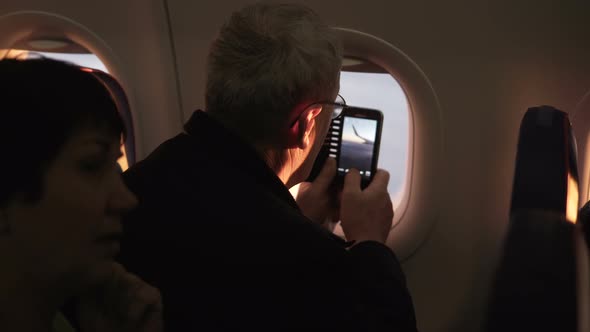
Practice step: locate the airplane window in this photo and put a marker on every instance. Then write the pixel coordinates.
(376, 74)
(68, 51)
(365, 84)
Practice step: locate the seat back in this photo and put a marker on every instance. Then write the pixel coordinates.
(546, 175)
(536, 283)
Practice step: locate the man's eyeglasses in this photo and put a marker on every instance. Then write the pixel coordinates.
(337, 106)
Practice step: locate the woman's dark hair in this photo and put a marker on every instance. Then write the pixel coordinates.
(42, 104)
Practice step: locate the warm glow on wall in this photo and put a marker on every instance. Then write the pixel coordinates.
(571, 213)
(123, 159)
(13, 54)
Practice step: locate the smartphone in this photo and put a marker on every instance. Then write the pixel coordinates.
(353, 140)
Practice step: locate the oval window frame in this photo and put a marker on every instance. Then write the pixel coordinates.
(412, 222)
(21, 25)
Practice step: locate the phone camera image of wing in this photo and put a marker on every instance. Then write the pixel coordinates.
(358, 144)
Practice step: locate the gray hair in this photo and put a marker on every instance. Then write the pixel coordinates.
(267, 59)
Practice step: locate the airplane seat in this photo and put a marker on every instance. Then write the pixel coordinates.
(584, 220)
(536, 282)
(546, 166)
(583, 249)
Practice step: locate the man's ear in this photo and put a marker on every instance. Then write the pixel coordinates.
(299, 133)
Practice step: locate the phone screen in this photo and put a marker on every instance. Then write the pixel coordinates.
(353, 140)
(357, 145)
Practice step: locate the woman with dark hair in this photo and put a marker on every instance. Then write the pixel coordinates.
(61, 198)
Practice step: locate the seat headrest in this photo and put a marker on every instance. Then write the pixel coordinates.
(546, 163)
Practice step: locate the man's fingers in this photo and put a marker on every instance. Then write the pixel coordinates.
(326, 176)
(379, 182)
(352, 181)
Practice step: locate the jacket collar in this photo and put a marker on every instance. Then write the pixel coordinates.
(229, 148)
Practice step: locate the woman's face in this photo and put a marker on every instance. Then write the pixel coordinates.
(71, 234)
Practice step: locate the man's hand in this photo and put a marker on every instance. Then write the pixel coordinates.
(317, 200)
(366, 215)
(123, 303)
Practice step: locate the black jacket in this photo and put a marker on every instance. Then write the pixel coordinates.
(222, 238)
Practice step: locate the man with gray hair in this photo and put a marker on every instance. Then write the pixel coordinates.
(217, 230)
